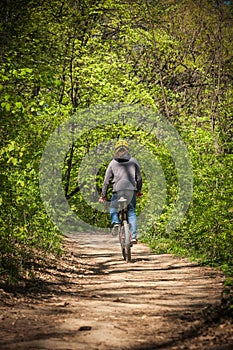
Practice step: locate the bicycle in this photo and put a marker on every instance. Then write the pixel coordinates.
(125, 236)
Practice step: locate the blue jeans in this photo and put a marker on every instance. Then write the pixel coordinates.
(131, 212)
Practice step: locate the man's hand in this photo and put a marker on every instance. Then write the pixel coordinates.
(102, 199)
(138, 194)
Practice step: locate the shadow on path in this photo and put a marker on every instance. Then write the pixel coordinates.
(93, 299)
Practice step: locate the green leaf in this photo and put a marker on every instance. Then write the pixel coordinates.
(12, 160)
(18, 105)
(11, 146)
(7, 107)
(21, 183)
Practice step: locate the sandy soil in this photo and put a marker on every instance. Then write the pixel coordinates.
(92, 299)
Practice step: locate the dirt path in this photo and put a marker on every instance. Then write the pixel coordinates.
(92, 299)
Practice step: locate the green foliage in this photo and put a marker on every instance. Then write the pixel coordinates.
(59, 57)
(206, 232)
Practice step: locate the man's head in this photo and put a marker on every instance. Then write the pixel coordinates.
(121, 150)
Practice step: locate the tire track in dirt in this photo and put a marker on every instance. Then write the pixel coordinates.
(98, 301)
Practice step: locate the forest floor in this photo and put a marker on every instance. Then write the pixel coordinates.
(92, 299)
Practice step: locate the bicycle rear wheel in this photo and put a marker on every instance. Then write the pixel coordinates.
(128, 253)
(127, 242)
(122, 241)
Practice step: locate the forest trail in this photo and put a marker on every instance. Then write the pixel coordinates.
(92, 299)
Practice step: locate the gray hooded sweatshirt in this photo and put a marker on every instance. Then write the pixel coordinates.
(124, 173)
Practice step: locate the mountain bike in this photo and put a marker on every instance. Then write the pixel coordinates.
(125, 236)
(124, 232)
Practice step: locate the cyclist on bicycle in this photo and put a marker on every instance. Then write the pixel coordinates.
(124, 173)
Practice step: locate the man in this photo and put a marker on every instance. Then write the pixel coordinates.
(124, 173)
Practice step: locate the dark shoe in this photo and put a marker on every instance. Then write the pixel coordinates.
(115, 229)
(134, 241)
